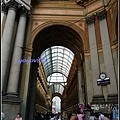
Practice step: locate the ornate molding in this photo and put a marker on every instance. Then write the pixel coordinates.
(81, 2)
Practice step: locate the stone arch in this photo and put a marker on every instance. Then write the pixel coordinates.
(72, 26)
(73, 33)
(50, 23)
(57, 94)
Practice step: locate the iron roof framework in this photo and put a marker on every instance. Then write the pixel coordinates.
(57, 64)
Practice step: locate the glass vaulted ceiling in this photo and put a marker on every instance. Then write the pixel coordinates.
(57, 63)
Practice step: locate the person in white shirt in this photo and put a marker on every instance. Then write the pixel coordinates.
(2, 116)
(101, 116)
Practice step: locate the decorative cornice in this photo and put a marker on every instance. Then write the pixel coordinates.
(101, 15)
(90, 20)
(85, 3)
(81, 2)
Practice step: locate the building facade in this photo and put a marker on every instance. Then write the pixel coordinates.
(89, 28)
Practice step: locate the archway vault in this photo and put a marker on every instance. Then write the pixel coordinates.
(54, 34)
(59, 35)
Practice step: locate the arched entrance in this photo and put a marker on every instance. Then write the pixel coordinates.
(56, 104)
(55, 35)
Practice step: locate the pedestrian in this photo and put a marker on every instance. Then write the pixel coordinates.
(47, 116)
(18, 117)
(115, 113)
(75, 114)
(92, 117)
(101, 116)
(80, 115)
(72, 117)
(2, 116)
(52, 116)
(64, 116)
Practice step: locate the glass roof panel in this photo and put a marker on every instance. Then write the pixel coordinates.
(57, 77)
(58, 60)
(56, 88)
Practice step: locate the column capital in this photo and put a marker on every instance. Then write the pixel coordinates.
(12, 5)
(4, 7)
(24, 11)
(101, 15)
(90, 20)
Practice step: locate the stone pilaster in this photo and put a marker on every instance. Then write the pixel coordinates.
(89, 83)
(7, 38)
(25, 75)
(80, 93)
(97, 92)
(17, 53)
(108, 60)
(32, 91)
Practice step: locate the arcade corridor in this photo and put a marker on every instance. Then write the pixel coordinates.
(57, 73)
(59, 55)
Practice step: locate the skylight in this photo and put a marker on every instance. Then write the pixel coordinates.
(57, 64)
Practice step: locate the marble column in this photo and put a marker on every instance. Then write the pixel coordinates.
(6, 39)
(26, 88)
(108, 59)
(17, 54)
(94, 56)
(2, 16)
(80, 93)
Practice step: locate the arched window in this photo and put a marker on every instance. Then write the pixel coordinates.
(56, 105)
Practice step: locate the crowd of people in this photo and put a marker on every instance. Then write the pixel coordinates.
(79, 114)
(74, 116)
